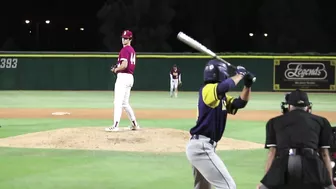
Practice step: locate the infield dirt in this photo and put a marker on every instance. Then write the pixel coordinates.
(157, 140)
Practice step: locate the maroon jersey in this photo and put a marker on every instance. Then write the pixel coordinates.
(127, 53)
(175, 74)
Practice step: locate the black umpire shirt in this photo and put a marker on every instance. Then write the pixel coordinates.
(298, 129)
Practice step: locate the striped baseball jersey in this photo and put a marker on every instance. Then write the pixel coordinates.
(212, 113)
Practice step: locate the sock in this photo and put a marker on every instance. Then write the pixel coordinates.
(116, 124)
(134, 123)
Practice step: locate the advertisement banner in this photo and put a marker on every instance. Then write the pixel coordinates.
(308, 75)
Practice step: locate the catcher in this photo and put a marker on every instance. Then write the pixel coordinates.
(175, 80)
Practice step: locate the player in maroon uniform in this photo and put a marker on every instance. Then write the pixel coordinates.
(124, 82)
(175, 80)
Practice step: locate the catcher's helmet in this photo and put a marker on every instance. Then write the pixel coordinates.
(215, 71)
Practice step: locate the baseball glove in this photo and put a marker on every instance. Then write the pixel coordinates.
(180, 84)
(112, 69)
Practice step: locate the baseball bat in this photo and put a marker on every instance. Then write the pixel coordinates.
(201, 48)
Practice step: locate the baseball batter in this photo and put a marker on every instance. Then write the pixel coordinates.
(175, 80)
(124, 82)
(213, 106)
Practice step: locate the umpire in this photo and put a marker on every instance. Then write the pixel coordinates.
(298, 143)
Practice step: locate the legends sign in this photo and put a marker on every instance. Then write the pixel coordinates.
(313, 75)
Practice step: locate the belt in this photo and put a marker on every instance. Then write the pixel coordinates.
(197, 137)
(301, 151)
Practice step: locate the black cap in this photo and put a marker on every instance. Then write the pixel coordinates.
(298, 98)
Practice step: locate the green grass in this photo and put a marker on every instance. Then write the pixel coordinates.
(81, 169)
(151, 100)
(68, 169)
(60, 99)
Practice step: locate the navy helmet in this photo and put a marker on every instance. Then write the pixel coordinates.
(215, 71)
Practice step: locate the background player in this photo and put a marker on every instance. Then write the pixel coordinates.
(213, 106)
(175, 80)
(124, 82)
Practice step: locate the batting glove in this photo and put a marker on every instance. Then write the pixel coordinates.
(248, 80)
(241, 70)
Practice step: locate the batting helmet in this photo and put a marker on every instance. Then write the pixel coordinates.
(215, 71)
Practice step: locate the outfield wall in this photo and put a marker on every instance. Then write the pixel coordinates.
(91, 71)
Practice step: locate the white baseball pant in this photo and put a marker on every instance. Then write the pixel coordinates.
(122, 91)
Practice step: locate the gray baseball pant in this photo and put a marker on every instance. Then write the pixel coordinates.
(208, 168)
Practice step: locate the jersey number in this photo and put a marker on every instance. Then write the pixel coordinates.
(133, 58)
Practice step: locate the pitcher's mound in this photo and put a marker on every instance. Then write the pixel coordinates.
(95, 138)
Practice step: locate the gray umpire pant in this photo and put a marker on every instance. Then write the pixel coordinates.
(294, 171)
(208, 168)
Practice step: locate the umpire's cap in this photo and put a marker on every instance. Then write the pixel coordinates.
(298, 98)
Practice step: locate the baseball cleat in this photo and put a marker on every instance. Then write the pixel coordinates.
(134, 127)
(112, 129)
